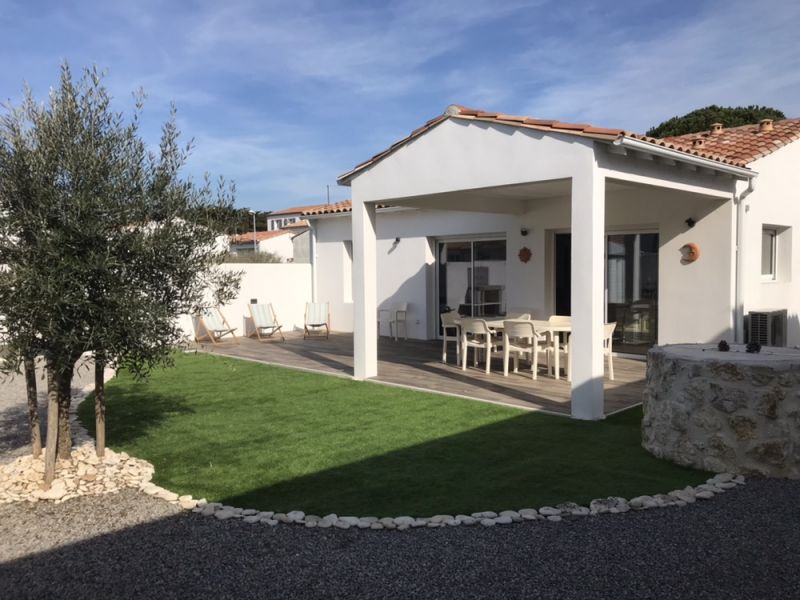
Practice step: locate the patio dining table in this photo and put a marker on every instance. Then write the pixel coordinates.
(554, 330)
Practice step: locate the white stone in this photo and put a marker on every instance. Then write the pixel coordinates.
(350, 520)
(187, 504)
(529, 514)
(549, 511)
(704, 494)
(341, 524)
(440, 518)
(251, 519)
(296, 515)
(57, 490)
(511, 514)
(376, 526)
(249, 512)
(503, 520)
(404, 520)
(224, 514)
(554, 518)
(487, 522)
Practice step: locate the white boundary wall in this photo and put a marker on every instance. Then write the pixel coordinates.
(286, 285)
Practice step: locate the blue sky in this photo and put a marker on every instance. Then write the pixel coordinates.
(282, 97)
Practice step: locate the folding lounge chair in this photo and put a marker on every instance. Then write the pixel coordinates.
(265, 321)
(215, 327)
(318, 315)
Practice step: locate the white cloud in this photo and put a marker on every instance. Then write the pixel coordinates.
(732, 53)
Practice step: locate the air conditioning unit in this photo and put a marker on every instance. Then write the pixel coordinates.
(768, 328)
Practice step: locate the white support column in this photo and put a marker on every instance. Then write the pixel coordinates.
(588, 283)
(365, 332)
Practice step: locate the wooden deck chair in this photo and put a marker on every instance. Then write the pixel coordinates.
(265, 321)
(215, 327)
(318, 315)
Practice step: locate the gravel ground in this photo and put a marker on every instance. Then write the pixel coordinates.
(14, 433)
(744, 544)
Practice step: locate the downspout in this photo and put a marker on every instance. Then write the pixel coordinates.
(738, 325)
(313, 258)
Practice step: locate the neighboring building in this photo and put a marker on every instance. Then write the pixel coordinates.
(277, 242)
(483, 213)
(287, 235)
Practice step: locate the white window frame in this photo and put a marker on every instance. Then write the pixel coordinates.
(774, 232)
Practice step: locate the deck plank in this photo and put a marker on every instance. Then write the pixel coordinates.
(418, 364)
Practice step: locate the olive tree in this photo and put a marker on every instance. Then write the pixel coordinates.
(104, 242)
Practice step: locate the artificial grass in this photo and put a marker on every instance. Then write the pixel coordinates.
(271, 438)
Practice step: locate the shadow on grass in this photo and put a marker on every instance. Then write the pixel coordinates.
(526, 461)
(140, 414)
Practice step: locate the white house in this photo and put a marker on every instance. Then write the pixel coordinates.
(675, 240)
(278, 242)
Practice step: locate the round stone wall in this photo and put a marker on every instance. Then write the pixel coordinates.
(724, 411)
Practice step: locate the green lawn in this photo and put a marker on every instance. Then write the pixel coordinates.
(270, 438)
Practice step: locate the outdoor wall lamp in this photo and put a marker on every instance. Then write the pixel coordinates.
(397, 240)
(690, 222)
(523, 231)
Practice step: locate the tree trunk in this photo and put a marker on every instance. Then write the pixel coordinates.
(99, 406)
(33, 406)
(64, 401)
(52, 428)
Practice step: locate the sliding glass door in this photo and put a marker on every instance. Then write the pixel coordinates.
(471, 277)
(631, 287)
(632, 290)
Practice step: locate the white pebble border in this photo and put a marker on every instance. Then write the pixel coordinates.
(85, 474)
(718, 484)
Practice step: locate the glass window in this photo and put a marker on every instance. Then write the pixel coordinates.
(768, 247)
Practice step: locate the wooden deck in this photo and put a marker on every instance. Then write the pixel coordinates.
(418, 364)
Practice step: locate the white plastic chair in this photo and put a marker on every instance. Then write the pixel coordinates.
(450, 322)
(394, 315)
(476, 334)
(265, 321)
(317, 317)
(520, 337)
(519, 313)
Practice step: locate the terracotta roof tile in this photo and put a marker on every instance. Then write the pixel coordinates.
(295, 210)
(243, 238)
(746, 143)
(327, 209)
(736, 146)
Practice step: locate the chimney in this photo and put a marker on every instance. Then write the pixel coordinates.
(698, 142)
(716, 128)
(764, 125)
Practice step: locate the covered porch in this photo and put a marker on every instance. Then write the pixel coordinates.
(417, 364)
(584, 181)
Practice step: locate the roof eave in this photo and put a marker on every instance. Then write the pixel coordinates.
(682, 156)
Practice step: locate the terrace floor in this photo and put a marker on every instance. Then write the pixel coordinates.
(418, 364)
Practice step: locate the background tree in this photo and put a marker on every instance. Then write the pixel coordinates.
(702, 118)
(105, 243)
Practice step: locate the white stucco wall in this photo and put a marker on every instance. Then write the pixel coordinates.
(287, 286)
(281, 245)
(775, 202)
(695, 300)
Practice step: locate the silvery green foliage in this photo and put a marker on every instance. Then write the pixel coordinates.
(104, 242)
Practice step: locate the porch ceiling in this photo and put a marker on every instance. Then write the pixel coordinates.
(516, 199)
